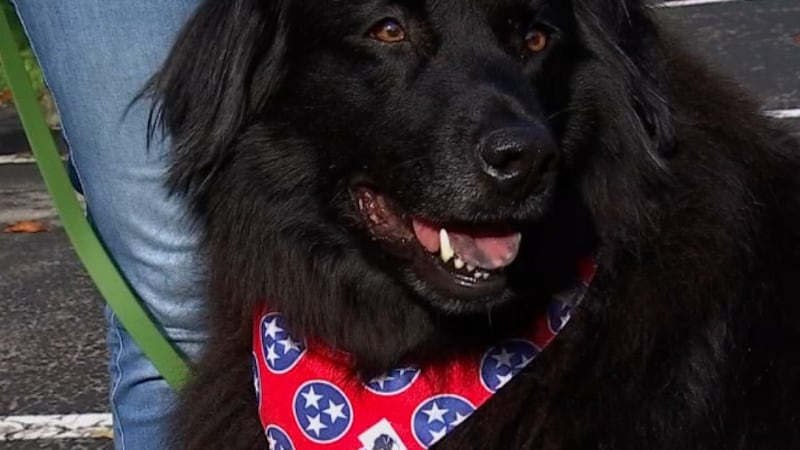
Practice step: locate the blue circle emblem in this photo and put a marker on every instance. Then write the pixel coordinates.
(256, 378)
(394, 382)
(322, 411)
(437, 416)
(503, 362)
(280, 351)
(558, 314)
(278, 439)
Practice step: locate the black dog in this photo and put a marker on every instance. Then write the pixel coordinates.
(323, 145)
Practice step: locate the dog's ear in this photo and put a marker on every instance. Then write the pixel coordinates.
(624, 36)
(225, 64)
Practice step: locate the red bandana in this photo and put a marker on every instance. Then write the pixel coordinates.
(308, 399)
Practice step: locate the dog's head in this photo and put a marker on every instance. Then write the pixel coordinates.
(378, 170)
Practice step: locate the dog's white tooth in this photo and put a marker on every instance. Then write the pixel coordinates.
(459, 263)
(470, 268)
(446, 251)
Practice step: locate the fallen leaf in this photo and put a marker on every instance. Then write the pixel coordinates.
(101, 433)
(26, 226)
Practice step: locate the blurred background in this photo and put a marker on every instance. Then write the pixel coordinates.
(52, 351)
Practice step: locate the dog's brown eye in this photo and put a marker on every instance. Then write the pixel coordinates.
(388, 30)
(536, 40)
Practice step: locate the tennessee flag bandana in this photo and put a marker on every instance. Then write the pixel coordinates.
(308, 399)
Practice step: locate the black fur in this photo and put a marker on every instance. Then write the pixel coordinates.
(689, 196)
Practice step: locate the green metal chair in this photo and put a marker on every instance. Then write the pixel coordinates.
(116, 292)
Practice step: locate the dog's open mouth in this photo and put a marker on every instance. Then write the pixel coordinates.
(463, 261)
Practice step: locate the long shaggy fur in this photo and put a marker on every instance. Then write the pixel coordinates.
(689, 196)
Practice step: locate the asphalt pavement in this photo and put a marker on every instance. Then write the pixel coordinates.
(53, 353)
(52, 346)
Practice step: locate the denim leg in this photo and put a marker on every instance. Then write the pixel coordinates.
(140, 398)
(96, 55)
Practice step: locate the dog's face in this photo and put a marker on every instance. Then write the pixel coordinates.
(430, 123)
(438, 154)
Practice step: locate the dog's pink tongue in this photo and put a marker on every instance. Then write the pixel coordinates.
(427, 235)
(486, 251)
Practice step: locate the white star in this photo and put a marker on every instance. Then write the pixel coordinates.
(273, 444)
(315, 424)
(438, 435)
(503, 359)
(435, 414)
(312, 399)
(459, 419)
(289, 344)
(382, 380)
(525, 361)
(272, 355)
(504, 379)
(334, 411)
(272, 328)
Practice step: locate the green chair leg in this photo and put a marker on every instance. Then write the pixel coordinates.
(164, 356)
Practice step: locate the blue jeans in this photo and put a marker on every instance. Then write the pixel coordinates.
(96, 56)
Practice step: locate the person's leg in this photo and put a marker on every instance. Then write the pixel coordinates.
(96, 55)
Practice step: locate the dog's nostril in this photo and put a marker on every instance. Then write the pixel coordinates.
(504, 160)
(516, 158)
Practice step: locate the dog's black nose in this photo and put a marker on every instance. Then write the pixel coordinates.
(518, 159)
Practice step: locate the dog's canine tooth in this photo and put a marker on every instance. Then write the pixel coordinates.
(470, 268)
(459, 263)
(446, 251)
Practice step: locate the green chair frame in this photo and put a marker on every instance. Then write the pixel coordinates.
(101, 269)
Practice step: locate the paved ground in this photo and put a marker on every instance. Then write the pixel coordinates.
(52, 355)
(12, 139)
(52, 329)
(66, 444)
(51, 322)
(757, 41)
